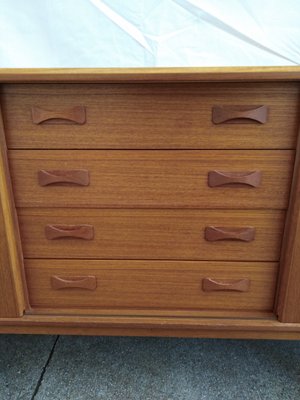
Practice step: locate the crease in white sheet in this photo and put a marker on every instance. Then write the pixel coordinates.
(132, 30)
(255, 36)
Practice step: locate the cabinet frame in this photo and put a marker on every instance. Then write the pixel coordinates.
(15, 313)
(13, 294)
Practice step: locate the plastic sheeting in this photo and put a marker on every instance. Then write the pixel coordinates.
(149, 33)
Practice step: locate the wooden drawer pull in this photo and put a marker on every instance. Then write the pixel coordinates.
(239, 114)
(72, 231)
(75, 114)
(80, 282)
(215, 233)
(76, 176)
(212, 285)
(219, 178)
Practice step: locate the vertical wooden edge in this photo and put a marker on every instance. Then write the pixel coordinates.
(287, 303)
(11, 230)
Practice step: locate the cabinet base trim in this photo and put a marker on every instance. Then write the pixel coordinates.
(149, 326)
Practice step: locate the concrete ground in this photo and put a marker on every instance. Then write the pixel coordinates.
(115, 368)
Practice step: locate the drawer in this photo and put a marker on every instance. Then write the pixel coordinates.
(165, 287)
(163, 179)
(151, 234)
(148, 116)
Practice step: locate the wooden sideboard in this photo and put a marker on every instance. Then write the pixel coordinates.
(162, 202)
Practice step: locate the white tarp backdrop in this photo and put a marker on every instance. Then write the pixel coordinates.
(148, 33)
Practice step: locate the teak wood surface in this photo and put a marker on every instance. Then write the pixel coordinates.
(157, 74)
(13, 295)
(167, 110)
(288, 301)
(152, 234)
(154, 116)
(153, 179)
(151, 286)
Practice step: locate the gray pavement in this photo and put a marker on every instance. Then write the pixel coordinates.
(115, 368)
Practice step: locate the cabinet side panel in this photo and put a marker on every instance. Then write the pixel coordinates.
(288, 299)
(8, 303)
(13, 297)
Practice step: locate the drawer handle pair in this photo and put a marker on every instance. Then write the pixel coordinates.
(220, 114)
(90, 283)
(80, 282)
(81, 177)
(239, 114)
(211, 233)
(75, 114)
(83, 231)
(212, 285)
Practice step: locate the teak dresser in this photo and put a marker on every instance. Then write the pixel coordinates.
(150, 202)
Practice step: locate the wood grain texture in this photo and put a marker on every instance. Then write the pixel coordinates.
(8, 304)
(173, 112)
(226, 285)
(288, 299)
(12, 292)
(159, 179)
(165, 286)
(51, 329)
(152, 234)
(160, 115)
(285, 73)
(155, 326)
(149, 312)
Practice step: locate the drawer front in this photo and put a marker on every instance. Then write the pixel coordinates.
(151, 234)
(149, 116)
(156, 285)
(163, 179)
